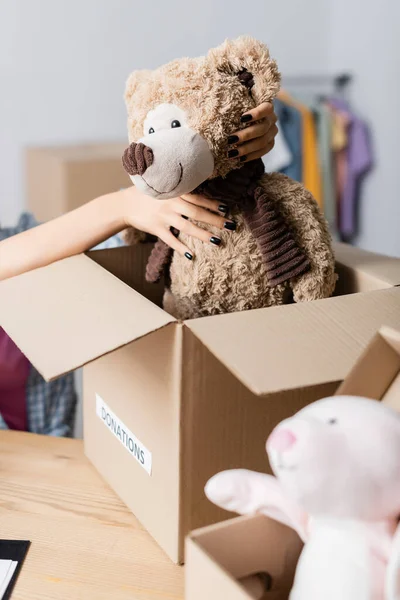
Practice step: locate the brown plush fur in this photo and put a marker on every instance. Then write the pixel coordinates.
(232, 277)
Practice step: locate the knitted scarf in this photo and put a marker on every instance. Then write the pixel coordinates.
(241, 190)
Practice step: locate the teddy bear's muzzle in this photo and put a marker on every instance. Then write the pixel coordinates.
(137, 158)
(169, 162)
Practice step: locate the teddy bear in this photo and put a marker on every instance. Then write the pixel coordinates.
(179, 119)
(337, 468)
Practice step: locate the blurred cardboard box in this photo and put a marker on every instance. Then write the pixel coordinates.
(169, 404)
(222, 560)
(59, 179)
(376, 374)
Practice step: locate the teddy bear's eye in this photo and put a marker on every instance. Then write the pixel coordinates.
(332, 421)
(175, 123)
(151, 130)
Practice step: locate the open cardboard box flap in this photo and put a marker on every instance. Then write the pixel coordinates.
(376, 374)
(73, 311)
(221, 556)
(376, 267)
(299, 345)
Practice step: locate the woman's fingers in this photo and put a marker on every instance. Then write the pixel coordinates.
(197, 213)
(174, 217)
(266, 141)
(257, 139)
(263, 111)
(198, 200)
(174, 243)
(194, 231)
(258, 135)
(170, 236)
(258, 153)
(249, 133)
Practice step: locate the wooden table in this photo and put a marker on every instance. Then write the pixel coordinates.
(85, 543)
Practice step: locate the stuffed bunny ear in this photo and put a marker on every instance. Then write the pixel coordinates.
(250, 61)
(247, 492)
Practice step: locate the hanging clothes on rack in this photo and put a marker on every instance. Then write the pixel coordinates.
(311, 173)
(329, 145)
(280, 157)
(339, 152)
(290, 124)
(355, 161)
(324, 125)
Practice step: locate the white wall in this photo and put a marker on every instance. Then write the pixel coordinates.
(63, 63)
(364, 39)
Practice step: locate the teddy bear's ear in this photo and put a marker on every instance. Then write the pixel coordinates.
(135, 79)
(250, 61)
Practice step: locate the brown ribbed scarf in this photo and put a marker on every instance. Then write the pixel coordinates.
(241, 190)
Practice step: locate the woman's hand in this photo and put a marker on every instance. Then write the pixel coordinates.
(164, 218)
(255, 140)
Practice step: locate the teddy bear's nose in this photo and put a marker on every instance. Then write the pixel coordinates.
(281, 440)
(137, 158)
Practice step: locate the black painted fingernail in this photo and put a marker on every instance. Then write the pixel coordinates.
(232, 139)
(230, 225)
(233, 153)
(223, 208)
(245, 118)
(185, 217)
(243, 158)
(215, 240)
(189, 256)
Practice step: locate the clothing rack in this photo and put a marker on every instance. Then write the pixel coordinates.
(339, 81)
(328, 146)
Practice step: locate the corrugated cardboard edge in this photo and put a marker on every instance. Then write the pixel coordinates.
(215, 553)
(244, 381)
(383, 268)
(334, 322)
(53, 378)
(386, 337)
(178, 379)
(77, 311)
(215, 573)
(391, 336)
(194, 552)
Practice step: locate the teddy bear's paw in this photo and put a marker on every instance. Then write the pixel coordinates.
(314, 286)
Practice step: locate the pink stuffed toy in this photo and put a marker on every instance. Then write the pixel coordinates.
(337, 467)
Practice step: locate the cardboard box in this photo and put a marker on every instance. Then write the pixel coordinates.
(220, 558)
(168, 404)
(59, 179)
(376, 374)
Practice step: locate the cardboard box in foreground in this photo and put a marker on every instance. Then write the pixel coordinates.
(167, 404)
(220, 558)
(62, 178)
(376, 374)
